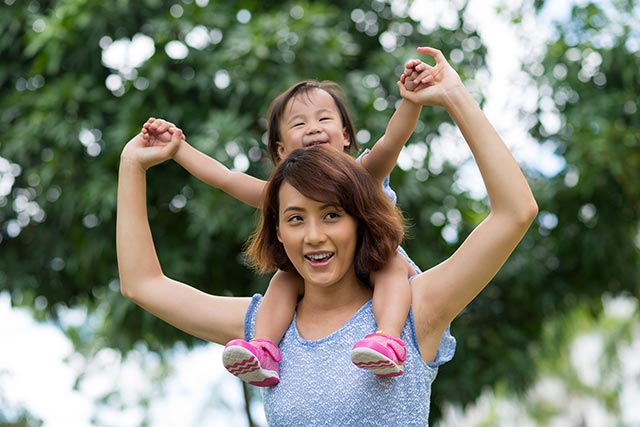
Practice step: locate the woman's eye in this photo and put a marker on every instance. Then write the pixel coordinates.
(332, 215)
(295, 218)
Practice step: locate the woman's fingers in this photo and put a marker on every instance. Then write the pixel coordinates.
(176, 138)
(435, 53)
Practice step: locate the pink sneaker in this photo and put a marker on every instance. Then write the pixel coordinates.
(255, 362)
(380, 353)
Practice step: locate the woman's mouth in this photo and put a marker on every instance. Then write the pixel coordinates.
(319, 258)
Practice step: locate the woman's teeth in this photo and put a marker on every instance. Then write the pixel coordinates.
(320, 257)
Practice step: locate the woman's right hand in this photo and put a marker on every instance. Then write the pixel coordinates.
(150, 152)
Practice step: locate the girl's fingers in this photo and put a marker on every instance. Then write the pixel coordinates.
(421, 67)
(427, 80)
(411, 63)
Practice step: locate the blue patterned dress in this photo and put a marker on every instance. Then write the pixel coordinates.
(319, 386)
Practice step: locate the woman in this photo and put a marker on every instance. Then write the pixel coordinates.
(323, 238)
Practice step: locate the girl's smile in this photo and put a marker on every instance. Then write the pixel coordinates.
(311, 118)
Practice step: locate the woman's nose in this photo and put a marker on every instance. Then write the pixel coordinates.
(315, 233)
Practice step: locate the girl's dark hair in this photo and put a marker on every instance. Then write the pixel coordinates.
(326, 175)
(277, 109)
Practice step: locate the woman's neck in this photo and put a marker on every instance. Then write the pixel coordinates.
(324, 310)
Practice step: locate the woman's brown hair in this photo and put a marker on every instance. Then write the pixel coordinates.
(279, 104)
(324, 174)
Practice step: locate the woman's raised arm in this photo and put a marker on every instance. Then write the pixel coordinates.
(213, 318)
(442, 292)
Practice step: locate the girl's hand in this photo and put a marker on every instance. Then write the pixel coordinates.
(431, 84)
(149, 152)
(414, 72)
(157, 130)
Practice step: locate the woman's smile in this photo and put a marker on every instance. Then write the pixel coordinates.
(319, 238)
(319, 259)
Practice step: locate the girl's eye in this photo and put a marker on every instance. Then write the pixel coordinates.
(295, 125)
(324, 119)
(332, 215)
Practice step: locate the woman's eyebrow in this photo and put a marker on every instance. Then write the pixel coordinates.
(301, 209)
(292, 209)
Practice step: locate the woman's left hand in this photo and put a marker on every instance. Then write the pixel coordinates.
(150, 152)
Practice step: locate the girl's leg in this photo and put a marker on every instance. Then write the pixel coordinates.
(392, 295)
(384, 352)
(278, 306)
(257, 362)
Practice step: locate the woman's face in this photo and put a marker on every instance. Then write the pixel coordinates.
(311, 118)
(319, 239)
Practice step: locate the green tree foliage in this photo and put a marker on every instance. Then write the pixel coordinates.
(66, 111)
(587, 79)
(585, 242)
(66, 116)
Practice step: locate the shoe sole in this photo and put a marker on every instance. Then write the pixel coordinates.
(379, 364)
(245, 365)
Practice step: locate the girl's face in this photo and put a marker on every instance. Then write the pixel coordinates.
(319, 239)
(311, 118)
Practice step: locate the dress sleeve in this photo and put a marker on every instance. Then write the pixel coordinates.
(250, 317)
(446, 349)
(386, 183)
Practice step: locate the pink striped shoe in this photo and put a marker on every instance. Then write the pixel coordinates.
(380, 353)
(255, 362)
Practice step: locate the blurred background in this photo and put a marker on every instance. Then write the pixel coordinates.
(553, 341)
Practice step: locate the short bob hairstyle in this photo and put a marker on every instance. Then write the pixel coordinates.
(326, 175)
(279, 105)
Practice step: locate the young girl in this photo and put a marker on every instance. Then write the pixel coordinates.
(307, 114)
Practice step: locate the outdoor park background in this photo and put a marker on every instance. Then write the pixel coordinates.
(553, 341)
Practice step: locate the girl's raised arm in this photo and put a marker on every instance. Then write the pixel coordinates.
(384, 153)
(238, 185)
(213, 318)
